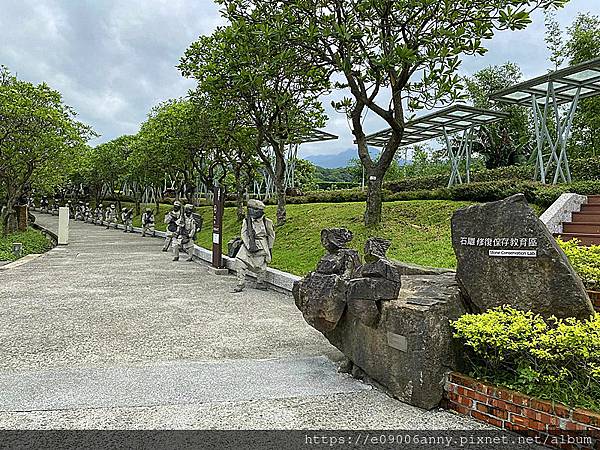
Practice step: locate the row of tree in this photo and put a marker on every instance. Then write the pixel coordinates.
(41, 142)
(392, 58)
(259, 83)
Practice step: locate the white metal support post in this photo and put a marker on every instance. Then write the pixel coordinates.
(463, 152)
(557, 143)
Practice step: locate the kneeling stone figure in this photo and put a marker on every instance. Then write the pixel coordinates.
(258, 237)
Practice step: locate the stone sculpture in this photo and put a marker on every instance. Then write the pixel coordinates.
(321, 296)
(379, 280)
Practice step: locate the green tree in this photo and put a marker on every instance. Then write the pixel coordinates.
(583, 44)
(305, 175)
(389, 53)
(505, 142)
(40, 141)
(255, 67)
(554, 39)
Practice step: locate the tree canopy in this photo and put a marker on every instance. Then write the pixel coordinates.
(40, 141)
(394, 57)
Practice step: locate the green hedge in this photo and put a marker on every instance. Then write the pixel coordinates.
(553, 359)
(585, 169)
(585, 261)
(481, 176)
(536, 193)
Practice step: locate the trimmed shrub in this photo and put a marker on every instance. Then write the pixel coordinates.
(585, 261)
(552, 359)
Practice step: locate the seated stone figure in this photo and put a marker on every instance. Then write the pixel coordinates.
(321, 295)
(378, 280)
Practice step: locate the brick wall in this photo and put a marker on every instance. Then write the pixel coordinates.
(517, 412)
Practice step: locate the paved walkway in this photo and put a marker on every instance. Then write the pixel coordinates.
(108, 332)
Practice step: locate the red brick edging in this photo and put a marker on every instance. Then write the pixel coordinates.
(518, 412)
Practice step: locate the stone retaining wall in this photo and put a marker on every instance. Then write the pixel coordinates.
(518, 412)
(561, 211)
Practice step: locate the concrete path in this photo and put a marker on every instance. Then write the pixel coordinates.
(109, 333)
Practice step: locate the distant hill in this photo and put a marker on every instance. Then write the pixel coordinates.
(342, 159)
(333, 161)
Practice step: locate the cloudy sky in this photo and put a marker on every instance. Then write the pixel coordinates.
(115, 59)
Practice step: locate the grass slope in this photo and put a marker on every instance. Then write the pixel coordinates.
(33, 242)
(419, 231)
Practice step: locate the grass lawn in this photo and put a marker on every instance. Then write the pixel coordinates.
(419, 231)
(33, 242)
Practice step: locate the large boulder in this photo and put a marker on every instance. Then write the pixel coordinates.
(506, 255)
(322, 299)
(407, 347)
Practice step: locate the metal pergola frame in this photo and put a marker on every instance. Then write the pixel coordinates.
(545, 95)
(441, 124)
(293, 144)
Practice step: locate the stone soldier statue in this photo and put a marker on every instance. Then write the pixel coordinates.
(55, 206)
(99, 213)
(127, 218)
(87, 213)
(44, 203)
(171, 219)
(258, 237)
(148, 222)
(185, 234)
(111, 216)
(80, 211)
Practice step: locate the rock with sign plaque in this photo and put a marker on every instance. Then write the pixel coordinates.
(507, 256)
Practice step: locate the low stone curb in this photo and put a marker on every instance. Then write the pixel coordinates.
(19, 262)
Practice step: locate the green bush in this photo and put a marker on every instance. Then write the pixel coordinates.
(585, 169)
(536, 193)
(33, 242)
(552, 359)
(585, 261)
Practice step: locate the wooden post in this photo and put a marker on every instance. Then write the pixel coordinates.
(218, 209)
(22, 217)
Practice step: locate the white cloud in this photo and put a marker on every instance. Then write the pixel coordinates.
(113, 60)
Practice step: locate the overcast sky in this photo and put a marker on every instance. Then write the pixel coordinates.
(115, 59)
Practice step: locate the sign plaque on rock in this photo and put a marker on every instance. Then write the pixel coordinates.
(507, 256)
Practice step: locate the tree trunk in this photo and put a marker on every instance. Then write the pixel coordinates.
(138, 200)
(239, 194)
(279, 182)
(9, 217)
(374, 198)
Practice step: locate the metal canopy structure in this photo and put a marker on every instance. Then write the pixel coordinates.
(545, 95)
(443, 123)
(314, 135)
(266, 188)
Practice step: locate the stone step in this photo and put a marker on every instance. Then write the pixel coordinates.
(586, 239)
(593, 199)
(586, 217)
(592, 207)
(581, 227)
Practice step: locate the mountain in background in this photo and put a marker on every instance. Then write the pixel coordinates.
(337, 160)
(333, 161)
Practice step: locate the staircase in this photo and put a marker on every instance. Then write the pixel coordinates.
(585, 224)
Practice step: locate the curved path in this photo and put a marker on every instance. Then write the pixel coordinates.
(108, 332)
